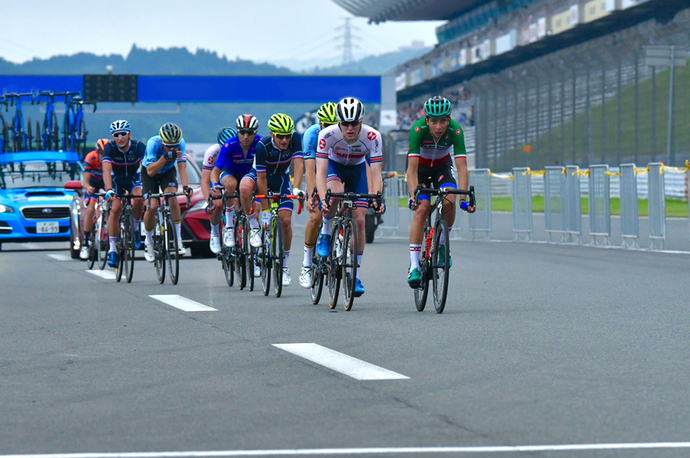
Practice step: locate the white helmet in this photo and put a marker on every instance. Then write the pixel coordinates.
(120, 124)
(349, 109)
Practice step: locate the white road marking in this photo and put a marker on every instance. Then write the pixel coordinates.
(371, 451)
(107, 274)
(339, 362)
(182, 303)
(60, 256)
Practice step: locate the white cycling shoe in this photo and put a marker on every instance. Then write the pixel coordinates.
(181, 250)
(214, 243)
(286, 277)
(305, 278)
(84, 253)
(228, 237)
(149, 255)
(255, 238)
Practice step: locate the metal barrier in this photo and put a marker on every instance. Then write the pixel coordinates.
(573, 204)
(630, 223)
(390, 226)
(554, 201)
(522, 203)
(480, 220)
(657, 205)
(599, 203)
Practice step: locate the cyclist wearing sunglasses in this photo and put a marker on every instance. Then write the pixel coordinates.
(432, 139)
(121, 160)
(163, 151)
(271, 172)
(341, 166)
(93, 181)
(326, 116)
(234, 162)
(214, 209)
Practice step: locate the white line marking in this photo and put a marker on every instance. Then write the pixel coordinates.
(31, 246)
(339, 362)
(107, 274)
(60, 257)
(182, 303)
(362, 451)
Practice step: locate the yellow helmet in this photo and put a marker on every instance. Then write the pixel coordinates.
(281, 123)
(170, 134)
(326, 114)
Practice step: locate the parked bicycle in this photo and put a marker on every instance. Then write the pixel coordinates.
(4, 130)
(342, 262)
(434, 265)
(74, 127)
(49, 137)
(21, 138)
(125, 240)
(165, 247)
(272, 251)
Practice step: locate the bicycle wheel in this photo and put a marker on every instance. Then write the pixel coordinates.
(160, 243)
(228, 268)
(29, 134)
(81, 138)
(440, 267)
(421, 293)
(248, 258)
(171, 251)
(265, 260)
(129, 248)
(55, 140)
(349, 263)
(239, 254)
(101, 239)
(120, 252)
(277, 253)
(66, 133)
(333, 263)
(93, 250)
(316, 277)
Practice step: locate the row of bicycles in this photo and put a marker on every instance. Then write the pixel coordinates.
(17, 136)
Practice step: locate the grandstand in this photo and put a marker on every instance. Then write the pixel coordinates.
(563, 79)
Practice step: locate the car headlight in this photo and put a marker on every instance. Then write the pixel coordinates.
(6, 209)
(200, 205)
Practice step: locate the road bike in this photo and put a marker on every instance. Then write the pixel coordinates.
(342, 262)
(125, 240)
(226, 255)
(319, 269)
(272, 250)
(4, 131)
(434, 266)
(165, 242)
(49, 137)
(21, 139)
(100, 237)
(74, 127)
(95, 245)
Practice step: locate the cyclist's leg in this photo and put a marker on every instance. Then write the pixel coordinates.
(149, 186)
(247, 187)
(443, 178)
(230, 183)
(115, 210)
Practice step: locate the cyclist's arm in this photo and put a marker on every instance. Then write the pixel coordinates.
(412, 177)
(107, 175)
(205, 183)
(87, 178)
(310, 175)
(369, 182)
(377, 179)
(299, 173)
(321, 172)
(262, 188)
(463, 174)
(153, 168)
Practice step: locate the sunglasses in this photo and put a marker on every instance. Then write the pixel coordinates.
(283, 136)
(120, 134)
(350, 123)
(246, 132)
(169, 146)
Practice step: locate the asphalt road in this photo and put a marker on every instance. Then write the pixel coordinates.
(557, 347)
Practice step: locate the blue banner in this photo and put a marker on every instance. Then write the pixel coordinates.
(29, 83)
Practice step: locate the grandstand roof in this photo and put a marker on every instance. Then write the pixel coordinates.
(408, 10)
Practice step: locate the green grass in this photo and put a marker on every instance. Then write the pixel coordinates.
(674, 208)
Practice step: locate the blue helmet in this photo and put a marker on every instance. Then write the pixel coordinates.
(225, 134)
(120, 124)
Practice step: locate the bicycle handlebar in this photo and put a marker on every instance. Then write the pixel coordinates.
(353, 196)
(445, 191)
(300, 198)
(82, 103)
(167, 195)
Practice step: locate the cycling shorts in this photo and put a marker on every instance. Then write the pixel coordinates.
(153, 184)
(277, 184)
(129, 184)
(230, 173)
(97, 184)
(353, 177)
(438, 176)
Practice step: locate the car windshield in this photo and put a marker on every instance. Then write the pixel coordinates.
(38, 174)
(192, 174)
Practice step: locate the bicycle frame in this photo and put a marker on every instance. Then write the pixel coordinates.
(76, 128)
(20, 138)
(165, 238)
(50, 134)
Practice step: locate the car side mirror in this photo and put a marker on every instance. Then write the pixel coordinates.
(74, 185)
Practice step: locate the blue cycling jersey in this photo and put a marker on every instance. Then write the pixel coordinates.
(310, 140)
(154, 150)
(232, 159)
(273, 161)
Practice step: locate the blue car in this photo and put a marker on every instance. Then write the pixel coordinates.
(34, 205)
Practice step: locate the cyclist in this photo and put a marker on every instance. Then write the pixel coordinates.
(429, 163)
(341, 165)
(271, 171)
(214, 209)
(234, 162)
(93, 181)
(121, 160)
(163, 151)
(326, 116)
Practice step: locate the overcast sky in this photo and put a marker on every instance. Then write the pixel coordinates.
(258, 30)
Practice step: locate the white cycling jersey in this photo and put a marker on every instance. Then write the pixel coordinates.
(211, 156)
(331, 145)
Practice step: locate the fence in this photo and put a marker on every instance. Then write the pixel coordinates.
(522, 202)
(599, 203)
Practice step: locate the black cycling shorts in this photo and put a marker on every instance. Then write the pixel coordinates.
(154, 184)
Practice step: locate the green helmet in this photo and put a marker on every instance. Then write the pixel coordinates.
(281, 123)
(437, 107)
(326, 114)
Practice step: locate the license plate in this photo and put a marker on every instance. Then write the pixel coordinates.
(49, 227)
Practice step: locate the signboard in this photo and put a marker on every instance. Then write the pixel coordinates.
(660, 56)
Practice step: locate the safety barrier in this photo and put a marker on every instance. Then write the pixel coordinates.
(522, 202)
(390, 225)
(573, 204)
(599, 203)
(657, 204)
(554, 201)
(480, 220)
(630, 223)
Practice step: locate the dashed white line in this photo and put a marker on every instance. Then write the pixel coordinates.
(60, 256)
(107, 274)
(339, 362)
(182, 303)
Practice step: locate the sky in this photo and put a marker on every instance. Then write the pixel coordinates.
(257, 30)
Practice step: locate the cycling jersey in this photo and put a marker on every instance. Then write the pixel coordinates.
(430, 152)
(210, 157)
(125, 164)
(232, 159)
(310, 140)
(332, 146)
(272, 161)
(154, 150)
(93, 165)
